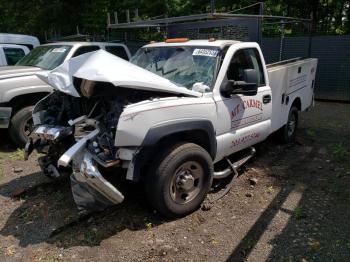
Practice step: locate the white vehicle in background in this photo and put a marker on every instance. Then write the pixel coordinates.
(172, 118)
(21, 89)
(10, 54)
(15, 46)
(18, 39)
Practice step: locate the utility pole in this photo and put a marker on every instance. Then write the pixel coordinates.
(166, 2)
(212, 6)
(282, 27)
(127, 15)
(260, 22)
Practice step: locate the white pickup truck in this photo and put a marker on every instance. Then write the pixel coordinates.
(10, 54)
(15, 46)
(171, 118)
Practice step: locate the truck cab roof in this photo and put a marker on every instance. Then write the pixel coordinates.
(215, 43)
(26, 40)
(82, 43)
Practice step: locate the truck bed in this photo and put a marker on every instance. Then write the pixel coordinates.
(290, 80)
(284, 62)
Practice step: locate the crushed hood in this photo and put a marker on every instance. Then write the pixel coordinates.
(16, 71)
(102, 66)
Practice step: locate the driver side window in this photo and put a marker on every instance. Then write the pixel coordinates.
(248, 58)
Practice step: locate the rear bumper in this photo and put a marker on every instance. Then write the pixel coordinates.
(5, 116)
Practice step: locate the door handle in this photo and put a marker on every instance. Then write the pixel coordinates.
(266, 99)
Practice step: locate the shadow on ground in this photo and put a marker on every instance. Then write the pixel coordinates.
(312, 173)
(6, 144)
(48, 214)
(317, 229)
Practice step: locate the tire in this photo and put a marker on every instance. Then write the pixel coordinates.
(21, 125)
(179, 179)
(288, 131)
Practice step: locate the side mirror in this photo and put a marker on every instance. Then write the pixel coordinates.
(247, 87)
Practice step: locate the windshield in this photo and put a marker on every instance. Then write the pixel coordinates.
(46, 57)
(183, 65)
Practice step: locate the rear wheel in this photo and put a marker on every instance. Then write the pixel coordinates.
(179, 179)
(288, 131)
(21, 126)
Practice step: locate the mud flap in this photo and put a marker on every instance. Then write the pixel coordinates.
(90, 190)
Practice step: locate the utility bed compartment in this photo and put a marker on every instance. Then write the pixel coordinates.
(289, 80)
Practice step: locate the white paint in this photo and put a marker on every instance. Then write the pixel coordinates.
(282, 80)
(19, 39)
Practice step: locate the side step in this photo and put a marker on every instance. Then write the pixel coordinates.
(234, 166)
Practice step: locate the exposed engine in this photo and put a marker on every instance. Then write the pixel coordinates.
(77, 137)
(63, 119)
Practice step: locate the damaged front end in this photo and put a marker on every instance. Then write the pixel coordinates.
(76, 137)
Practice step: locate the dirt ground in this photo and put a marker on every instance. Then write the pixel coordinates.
(299, 209)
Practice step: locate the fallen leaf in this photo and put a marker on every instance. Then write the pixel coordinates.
(10, 251)
(214, 242)
(315, 246)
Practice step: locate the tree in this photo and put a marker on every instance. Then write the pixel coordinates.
(60, 17)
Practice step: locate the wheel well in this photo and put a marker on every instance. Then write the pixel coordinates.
(21, 101)
(146, 155)
(199, 137)
(297, 103)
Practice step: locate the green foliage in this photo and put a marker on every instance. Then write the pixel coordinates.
(311, 132)
(340, 152)
(1, 172)
(61, 17)
(270, 189)
(18, 154)
(298, 212)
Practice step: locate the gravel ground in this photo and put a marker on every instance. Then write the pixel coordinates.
(297, 209)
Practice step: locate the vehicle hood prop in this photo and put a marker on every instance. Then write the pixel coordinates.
(101, 66)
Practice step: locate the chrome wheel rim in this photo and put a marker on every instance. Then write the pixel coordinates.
(187, 182)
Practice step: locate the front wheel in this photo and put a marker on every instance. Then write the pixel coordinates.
(21, 126)
(179, 179)
(288, 131)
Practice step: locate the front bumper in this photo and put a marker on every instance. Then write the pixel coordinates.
(90, 189)
(5, 116)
